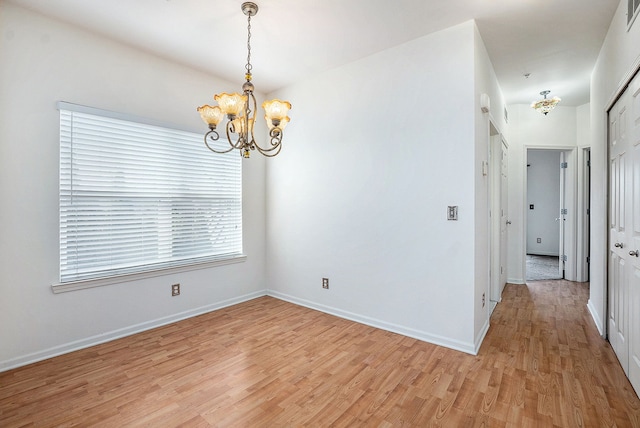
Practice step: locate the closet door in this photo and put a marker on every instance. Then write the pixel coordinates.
(624, 231)
(633, 248)
(618, 289)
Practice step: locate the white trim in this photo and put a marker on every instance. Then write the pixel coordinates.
(583, 219)
(543, 253)
(480, 337)
(99, 282)
(64, 105)
(123, 332)
(469, 348)
(571, 203)
(622, 86)
(596, 318)
(631, 20)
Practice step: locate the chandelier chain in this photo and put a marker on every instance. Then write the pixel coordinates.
(248, 66)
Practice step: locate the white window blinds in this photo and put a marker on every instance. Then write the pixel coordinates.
(136, 197)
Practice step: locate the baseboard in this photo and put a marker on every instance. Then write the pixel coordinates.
(517, 281)
(596, 318)
(480, 337)
(543, 253)
(123, 332)
(468, 348)
(55, 351)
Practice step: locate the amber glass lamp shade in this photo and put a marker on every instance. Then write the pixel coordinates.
(231, 104)
(276, 109)
(239, 125)
(210, 115)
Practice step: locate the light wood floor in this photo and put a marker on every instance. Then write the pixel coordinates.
(267, 363)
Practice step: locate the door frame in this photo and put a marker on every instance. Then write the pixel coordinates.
(571, 203)
(496, 143)
(584, 214)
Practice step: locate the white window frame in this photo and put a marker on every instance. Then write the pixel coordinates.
(633, 9)
(164, 241)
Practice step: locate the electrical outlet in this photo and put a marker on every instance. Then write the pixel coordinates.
(325, 283)
(175, 290)
(539, 240)
(483, 300)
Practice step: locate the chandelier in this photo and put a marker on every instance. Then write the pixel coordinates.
(545, 105)
(240, 110)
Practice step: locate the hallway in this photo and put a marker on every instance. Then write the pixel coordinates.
(572, 374)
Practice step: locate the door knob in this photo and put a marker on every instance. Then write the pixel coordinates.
(618, 245)
(634, 253)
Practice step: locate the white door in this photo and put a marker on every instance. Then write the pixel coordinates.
(634, 233)
(499, 219)
(617, 296)
(562, 215)
(504, 218)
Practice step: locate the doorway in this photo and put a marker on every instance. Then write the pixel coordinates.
(559, 186)
(545, 221)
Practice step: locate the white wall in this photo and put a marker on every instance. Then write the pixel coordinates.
(531, 129)
(485, 83)
(379, 149)
(543, 192)
(42, 62)
(359, 194)
(619, 56)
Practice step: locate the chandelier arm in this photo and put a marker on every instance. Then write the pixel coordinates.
(276, 143)
(270, 152)
(276, 137)
(238, 144)
(214, 136)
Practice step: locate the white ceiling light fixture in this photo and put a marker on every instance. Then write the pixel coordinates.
(240, 110)
(545, 105)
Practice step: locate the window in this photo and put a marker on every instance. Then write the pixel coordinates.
(632, 11)
(138, 197)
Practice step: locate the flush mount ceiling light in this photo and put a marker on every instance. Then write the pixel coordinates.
(545, 105)
(240, 110)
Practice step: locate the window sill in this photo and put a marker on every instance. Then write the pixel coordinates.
(99, 282)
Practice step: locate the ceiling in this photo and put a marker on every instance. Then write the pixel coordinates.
(556, 41)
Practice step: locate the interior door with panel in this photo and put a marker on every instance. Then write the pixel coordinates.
(618, 318)
(562, 215)
(499, 218)
(634, 233)
(504, 214)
